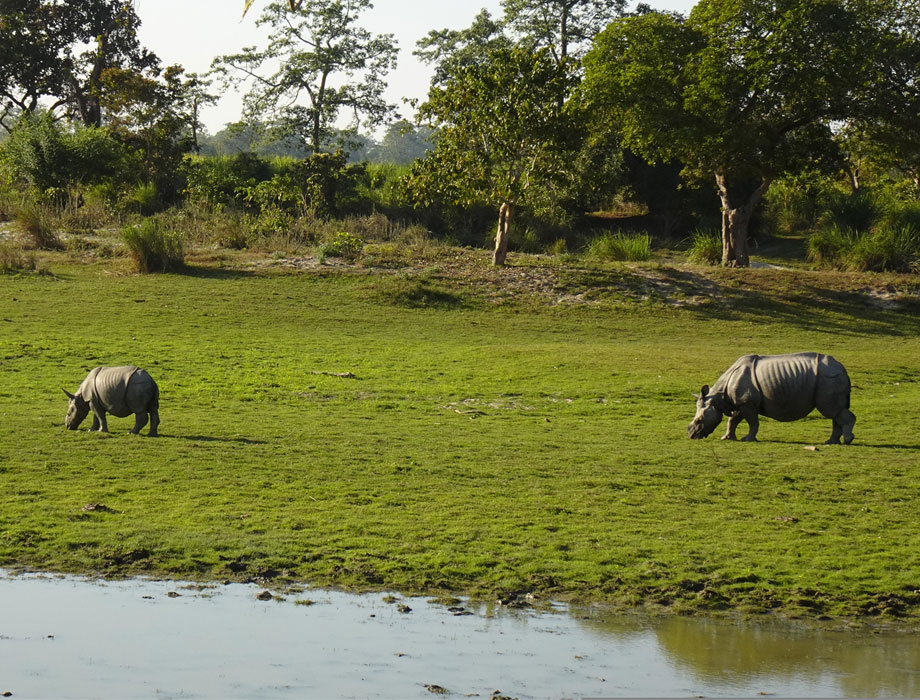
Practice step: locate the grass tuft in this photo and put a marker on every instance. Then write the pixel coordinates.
(620, 246)
(154, 248)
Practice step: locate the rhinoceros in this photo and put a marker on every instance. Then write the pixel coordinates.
(120, 391)
(782, 387)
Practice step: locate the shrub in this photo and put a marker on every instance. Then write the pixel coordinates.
(887, 249)
(342, 245)
(829, 244)
(153, 248)
(620, 246)
(37, 223)
(705, 247)
(12, 259)
(855, 211)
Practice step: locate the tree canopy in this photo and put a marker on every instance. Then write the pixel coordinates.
(318, 63)
(503, 134)
(61, 50)
(747, 90)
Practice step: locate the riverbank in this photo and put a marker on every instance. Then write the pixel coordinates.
(422, 422)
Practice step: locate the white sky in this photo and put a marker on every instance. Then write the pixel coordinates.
(193, 32)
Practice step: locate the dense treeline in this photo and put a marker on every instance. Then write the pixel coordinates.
(746, 118)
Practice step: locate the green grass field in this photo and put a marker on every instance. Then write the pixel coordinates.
(490, 441)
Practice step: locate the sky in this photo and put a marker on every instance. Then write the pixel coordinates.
(192, 32)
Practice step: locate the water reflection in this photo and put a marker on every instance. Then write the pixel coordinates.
(723, 653)
(140, 639)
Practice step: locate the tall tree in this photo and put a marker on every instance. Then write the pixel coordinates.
(565, 27)
(318, 63)
(451, 50)
(57, 50)
(745, 91)
(504, 135)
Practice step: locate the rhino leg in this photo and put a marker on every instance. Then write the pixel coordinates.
(99, 422)
(733, 421)
(843, 427)
(140, 420)
(154, 422)
(750, 415)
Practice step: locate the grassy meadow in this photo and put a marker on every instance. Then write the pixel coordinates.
(490, 432)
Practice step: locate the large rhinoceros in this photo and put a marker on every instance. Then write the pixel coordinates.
(120, 391)
(782, 387)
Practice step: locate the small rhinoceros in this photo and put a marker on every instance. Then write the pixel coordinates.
(782, 387)
(120, 391)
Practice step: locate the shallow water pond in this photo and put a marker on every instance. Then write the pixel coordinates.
(72, 638)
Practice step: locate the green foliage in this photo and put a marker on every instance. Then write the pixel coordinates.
(218, 180)
(13, 259)
(46, 156)
(705, 247)
(341, 245)
(855, 211)
(313, 48)
(886, 249)
(746, 91)
(36, 221)
(154, 248)
(620, 246)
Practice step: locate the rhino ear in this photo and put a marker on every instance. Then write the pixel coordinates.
(704, 392)
(69, 395)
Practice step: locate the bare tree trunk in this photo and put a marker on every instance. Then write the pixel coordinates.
(736, 216)
(505, 213)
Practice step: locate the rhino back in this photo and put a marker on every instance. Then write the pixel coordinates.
(110, 388)
(788, 384)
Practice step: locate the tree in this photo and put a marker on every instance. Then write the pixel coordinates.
(561, 25)
(745, 91)
(403, 143)
(59, 50)
(451, 50)
(311, 50)
(503, 134)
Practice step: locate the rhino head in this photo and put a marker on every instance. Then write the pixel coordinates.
(709, 412)
(77, 410)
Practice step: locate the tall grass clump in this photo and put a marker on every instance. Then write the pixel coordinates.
(856, 211)
(342, 245)
(829, 245)
(154, 248)
(889, 248)
(705, 247)
(12, 259)
(619, 246)
(36, 222)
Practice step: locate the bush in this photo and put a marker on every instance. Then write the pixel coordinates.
(829, 244)
(888, 249)
(620, 246)
(705, 247)
(854, 211)
(37, 223)
(342, 245)
(153, 248)
(12, 259)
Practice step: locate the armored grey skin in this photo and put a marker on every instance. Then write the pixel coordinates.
(782, 387)
(120, 391)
